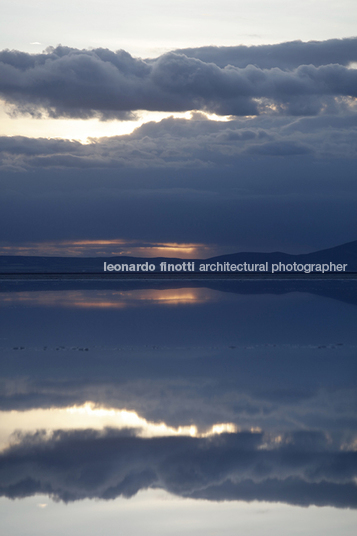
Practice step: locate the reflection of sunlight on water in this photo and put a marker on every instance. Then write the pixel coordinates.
(131, 419)
(89, 415)
(110, 299)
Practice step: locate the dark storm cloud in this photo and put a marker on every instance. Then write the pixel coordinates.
(195, 143)
(284, 55)
(82, 83)
(246, 466)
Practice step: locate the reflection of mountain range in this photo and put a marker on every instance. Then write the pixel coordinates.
(343, 254)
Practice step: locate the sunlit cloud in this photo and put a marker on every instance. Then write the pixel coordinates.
(14, 124)
(84, 130)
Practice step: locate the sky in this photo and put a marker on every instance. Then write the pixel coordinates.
(185, 129)
(231, 127)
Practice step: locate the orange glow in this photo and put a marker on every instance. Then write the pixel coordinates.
(106, 248)
(96, 242)
(92, 299)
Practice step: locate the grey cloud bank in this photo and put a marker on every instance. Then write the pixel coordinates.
(67, 82)
(285, 55)
(196, 143)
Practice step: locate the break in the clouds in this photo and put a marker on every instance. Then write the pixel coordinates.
(68, 82)
(196, 143)
(301, 468)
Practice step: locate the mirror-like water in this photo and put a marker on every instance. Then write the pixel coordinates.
(172, 403)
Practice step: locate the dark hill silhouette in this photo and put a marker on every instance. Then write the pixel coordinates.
(342, 254)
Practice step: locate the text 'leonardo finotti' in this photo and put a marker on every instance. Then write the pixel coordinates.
(225, 267)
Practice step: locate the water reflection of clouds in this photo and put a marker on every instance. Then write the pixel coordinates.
(303, 468)
(110, 299)
(92, 416)
(165, 386)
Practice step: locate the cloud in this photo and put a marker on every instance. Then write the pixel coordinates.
(283, 55)
(73, 465)
(290, 490)
(196, 143)
(68, 82)
(282, 148)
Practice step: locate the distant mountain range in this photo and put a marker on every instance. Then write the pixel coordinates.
(344, 256)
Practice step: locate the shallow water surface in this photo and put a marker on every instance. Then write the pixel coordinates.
(222, 407)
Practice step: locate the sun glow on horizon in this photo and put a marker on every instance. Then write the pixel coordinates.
(105, 247)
